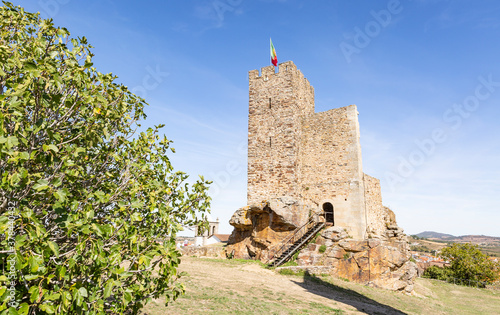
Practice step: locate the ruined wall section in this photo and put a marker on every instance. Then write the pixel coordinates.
(375, 212)
(331, 169)
(277, 103)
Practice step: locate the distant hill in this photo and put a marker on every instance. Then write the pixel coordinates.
(474, 239)
(488, 244)
(435, 235)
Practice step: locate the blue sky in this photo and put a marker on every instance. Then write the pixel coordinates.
(425, 75)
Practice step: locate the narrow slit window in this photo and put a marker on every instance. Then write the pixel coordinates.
(269, 103)
(270, 142)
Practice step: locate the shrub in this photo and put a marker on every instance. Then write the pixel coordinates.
(435, 272)
(467, 262)
(89, 209)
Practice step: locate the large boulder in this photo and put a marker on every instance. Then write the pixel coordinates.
(383, 263)
(260, 227)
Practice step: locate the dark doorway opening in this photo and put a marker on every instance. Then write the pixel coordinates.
(328, 210)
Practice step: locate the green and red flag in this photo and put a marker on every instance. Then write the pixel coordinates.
(274, 58)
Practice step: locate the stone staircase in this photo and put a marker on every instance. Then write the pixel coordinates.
(295, 242)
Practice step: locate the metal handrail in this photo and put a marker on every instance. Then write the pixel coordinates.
(293, 237)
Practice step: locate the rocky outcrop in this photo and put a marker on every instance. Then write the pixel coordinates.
(259, 227)
(383, 262)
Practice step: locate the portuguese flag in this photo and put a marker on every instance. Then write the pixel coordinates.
(274, 58)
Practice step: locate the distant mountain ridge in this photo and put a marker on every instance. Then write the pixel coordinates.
(463, 238)
(431, 234)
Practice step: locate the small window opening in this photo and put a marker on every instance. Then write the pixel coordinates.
(328, 210)
(269, 103)
(270, 142)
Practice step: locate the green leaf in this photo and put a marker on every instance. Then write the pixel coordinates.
(108, 289)
(77, 297)
(50, 147)
(34, 292)
(23, 309)
(66, 298)
(61, 272)
(12, 311)
(127, 296)
(136, 204)
(24, 156)
(61, 194)
(29, 65)
(31, 277)
(83, 292)
(33, 263)
(48, 308)
(54, 247)
(12, 142)
(52, 297)
(136, 216)
(42, 184)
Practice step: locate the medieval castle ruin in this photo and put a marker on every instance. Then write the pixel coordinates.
(305, 166)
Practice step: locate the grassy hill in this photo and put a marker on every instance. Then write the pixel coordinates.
(244, 287)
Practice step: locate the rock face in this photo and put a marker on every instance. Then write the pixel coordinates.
(383, 262)
(259, 227)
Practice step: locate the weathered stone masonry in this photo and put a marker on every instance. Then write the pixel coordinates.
(312, 157)
(300, 162)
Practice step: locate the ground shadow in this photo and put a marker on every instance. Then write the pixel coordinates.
(362, 303)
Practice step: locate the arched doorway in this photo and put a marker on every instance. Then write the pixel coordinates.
(328, 210)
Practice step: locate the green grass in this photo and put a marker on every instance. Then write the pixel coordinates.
(207, 295)
(205, 300)
(289, 272)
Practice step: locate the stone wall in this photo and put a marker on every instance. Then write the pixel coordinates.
(277, 102)
(331, 169)
(375, 212)
(203, 251)
(292, 151)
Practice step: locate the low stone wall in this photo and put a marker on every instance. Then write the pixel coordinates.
(203, 251)
(314, 270)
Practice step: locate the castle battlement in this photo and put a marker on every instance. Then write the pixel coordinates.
(287, 70)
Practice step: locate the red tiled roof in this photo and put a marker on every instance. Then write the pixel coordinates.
(222, 237)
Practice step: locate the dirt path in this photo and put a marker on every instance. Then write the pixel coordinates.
(234, 284)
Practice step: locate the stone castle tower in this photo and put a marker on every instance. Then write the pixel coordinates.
(305, 170)
(311, 157)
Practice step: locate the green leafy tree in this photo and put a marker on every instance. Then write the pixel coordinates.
(435, 272)
(94, 207)
(467, 262)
